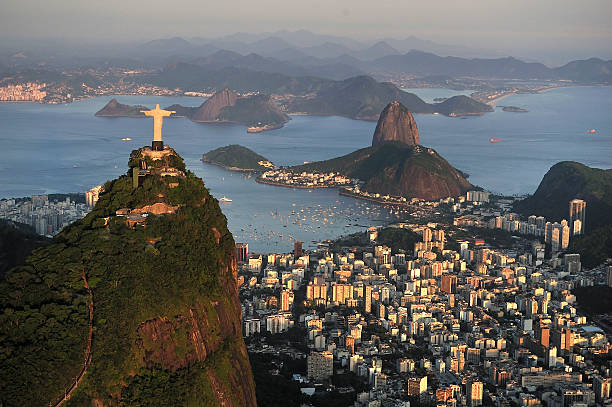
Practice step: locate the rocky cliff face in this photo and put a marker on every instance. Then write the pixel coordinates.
(209, 110)
(396, 124)
(158, 292)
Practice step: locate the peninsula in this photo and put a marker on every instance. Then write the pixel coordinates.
(395, 168)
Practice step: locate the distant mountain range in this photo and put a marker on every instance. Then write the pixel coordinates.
(304, 53)
(332, 61)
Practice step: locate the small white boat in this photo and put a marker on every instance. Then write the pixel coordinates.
(225, 200)
(126, 139)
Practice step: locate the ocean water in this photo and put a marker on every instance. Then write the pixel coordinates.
(65, 148)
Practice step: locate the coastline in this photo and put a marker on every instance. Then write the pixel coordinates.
(344, 192)
(235, 169)
(341, 191)
(279, 184)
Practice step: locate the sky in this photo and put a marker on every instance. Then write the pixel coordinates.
(520, 27)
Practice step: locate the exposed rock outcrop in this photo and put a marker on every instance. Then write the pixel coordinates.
(209, 111)
(396, 124)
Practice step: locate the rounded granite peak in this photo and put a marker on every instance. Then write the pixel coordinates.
(396, 123)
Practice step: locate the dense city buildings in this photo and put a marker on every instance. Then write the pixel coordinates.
(436, 315)
(445, 318)
(46, 216)
(26, 92)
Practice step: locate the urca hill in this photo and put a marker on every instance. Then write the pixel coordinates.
(135, 304)
(396, 164)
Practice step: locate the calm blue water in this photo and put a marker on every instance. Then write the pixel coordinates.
(43, 143)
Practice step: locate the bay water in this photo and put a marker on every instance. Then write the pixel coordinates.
(65, 148)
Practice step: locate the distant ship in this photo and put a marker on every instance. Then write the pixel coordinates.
(126, 139)
(492, 140)
(225, 199)
(591, 131)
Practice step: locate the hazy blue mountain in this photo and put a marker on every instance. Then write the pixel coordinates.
(288, 54)
(326, 50)
(164, 45)
(378, 50)
(327, 69)
(425, 63)
(589, 70)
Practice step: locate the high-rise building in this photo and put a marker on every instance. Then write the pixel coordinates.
(341, 292)
(577, 210)
(558, 236)
(449, 283)
(477, 196)
(601, 387)
(316, 289)
(242, 252)
(562, 338)
(417, 386)
(286, 299)
(91, 196)
(474, 393)
(368, 299)
(542, 334)
(297, 249)
(320, 365)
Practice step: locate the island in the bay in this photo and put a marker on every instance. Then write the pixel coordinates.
(238, 158)
(513, 109)
(256, 111)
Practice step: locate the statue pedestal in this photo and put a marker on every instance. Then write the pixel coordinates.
(157, 145)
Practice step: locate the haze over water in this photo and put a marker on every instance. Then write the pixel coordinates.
(43, 143)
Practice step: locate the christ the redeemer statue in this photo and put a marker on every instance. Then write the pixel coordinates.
(158, 118)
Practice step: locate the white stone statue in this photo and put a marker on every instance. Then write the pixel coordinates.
(158, 117)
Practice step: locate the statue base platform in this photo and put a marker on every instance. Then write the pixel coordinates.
(157, 145)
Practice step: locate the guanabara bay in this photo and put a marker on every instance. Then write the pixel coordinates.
(134, 305)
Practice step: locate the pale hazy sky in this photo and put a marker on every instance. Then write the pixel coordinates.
(518, 25)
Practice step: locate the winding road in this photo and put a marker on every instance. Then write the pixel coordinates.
(87, 360)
